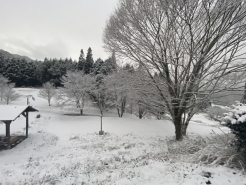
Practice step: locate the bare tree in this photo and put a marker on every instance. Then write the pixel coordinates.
(76, 88)
(117, 84)
(9, 94)
(143, 95)
(99, 93)
(48, 91)
(3, 83)
(195, 47)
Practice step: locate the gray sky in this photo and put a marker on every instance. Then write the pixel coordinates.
(54, 28)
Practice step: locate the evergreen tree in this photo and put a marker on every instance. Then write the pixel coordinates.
(98, 67)
(128, 67)
(109, 66)
(81, 63)
(1, 62)
(113, 60)
(88, 62)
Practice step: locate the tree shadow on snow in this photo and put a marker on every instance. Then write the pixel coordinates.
(96, 115)
(77, 114)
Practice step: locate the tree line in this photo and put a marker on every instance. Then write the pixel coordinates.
(35, 73)
(103, 83)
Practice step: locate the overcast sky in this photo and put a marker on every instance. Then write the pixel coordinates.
(54, 28)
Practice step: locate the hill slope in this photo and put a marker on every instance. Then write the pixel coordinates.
(6, 54)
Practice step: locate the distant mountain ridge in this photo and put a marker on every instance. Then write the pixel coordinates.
(6, 54)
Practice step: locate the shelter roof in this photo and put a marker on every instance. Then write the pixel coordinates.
(10, 112)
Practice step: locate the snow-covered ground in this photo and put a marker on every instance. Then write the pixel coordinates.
(65, 148)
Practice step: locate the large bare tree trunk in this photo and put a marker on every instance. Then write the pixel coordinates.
(180, 127)
(178, 130)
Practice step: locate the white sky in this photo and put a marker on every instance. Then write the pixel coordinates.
(54, 28)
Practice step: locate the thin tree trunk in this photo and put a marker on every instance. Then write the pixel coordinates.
(184, 129)
(121, 113)
(140, 112)
(81, 112)
(123, 105)
(131, 108)
(118, 110)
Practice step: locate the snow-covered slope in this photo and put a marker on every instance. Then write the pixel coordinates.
(65, 148)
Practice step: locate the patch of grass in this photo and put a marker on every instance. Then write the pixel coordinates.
(216, 150)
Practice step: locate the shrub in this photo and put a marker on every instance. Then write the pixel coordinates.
(216, 113)
(236, 121)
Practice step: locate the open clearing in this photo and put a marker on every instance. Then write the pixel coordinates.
(65, 148)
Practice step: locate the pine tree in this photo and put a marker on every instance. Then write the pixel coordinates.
(88, 62)
(98, 67)
(81, 63)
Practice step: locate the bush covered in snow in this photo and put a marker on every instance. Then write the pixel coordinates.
(236, 121)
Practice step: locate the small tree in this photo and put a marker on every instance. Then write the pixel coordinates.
(76, 87)
(99, 94)
(47, 92)
(9, 94)
(236, 121)
(117, 84)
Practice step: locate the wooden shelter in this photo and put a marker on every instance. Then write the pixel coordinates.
(9, 113)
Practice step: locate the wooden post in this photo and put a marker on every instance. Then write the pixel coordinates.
(101, 132)
(101, 122)
(26, 124)
(7, 123)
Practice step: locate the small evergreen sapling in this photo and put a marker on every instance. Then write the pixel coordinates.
(236, 121)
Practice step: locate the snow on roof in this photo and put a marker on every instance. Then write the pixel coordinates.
(10, 112)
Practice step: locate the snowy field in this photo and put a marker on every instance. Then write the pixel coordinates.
(65, 148)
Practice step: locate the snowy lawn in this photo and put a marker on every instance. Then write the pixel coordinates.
(65, 148)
